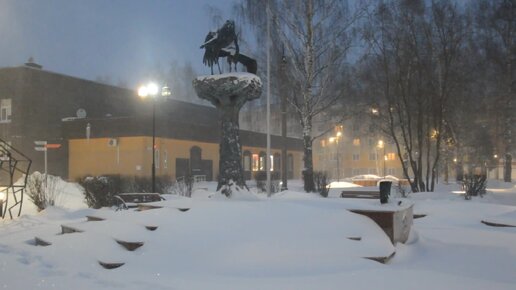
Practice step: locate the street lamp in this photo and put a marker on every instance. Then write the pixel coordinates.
(381, 145)
(151, 90)
(336, 140)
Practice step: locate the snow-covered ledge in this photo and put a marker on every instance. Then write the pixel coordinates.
(228, 93)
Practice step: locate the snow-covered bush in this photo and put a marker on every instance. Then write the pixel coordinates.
(474, 185)
(182, 187)
(321, 183)
(41, 194)
(261, 181)
(100, 190)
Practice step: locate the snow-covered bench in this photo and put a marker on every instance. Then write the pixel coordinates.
(372, 194)
(131, 200)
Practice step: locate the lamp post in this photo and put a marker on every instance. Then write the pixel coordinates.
(151, 90)
(381, 145)
(336, 140)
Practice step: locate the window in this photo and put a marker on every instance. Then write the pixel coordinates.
(277, 162)
(356, 141)
(290, 163)
(355, 171)
(372, 156)
(356, 156)
(255, 162)
(272, 162)
(262, 161)
(323, 143)
(391, 171)
(247, 161)
(156, 158)
(356, 127)
(5, 110)
(390, 156)
(371, 142)
(165, 159)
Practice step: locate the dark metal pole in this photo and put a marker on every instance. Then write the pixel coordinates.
(338, 165)
(153, 144)
(283, 125)
(384, 159)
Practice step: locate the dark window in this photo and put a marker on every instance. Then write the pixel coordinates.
(247, 161)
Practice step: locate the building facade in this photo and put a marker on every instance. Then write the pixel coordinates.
(103, 129)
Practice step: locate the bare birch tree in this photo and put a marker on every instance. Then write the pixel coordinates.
(414, 61)
(496, 21)
(316, 35)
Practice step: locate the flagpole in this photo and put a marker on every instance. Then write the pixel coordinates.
(268, 158)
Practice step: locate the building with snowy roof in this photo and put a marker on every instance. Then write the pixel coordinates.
(104, 129)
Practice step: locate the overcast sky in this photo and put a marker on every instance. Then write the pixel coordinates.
(121, 39)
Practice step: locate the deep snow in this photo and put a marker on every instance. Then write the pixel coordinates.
(293, 240)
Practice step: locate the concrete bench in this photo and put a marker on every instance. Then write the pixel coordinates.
(372, 194)
(132, 200)
(396, 223)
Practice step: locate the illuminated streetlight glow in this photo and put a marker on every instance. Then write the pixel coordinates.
(331, 139)
(143, 92)
(152, 89)
(380, 144)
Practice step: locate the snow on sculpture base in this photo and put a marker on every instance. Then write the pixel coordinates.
(228, 93)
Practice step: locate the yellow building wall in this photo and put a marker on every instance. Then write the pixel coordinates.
(133, 156)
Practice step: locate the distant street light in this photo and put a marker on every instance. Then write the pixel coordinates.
(336, 140)
(151, 90)
(381, 145)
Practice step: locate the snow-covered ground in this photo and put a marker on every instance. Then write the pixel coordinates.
(293, 240)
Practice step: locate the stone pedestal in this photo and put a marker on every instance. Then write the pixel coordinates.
(228, 93)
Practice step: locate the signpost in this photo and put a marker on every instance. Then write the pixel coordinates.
(44, 146)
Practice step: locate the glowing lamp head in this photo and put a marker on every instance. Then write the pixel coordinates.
(143, 92)
(152, 89)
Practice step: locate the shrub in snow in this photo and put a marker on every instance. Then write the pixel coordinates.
(183, 186)
(99, 190)
(261, 181)
(402, 189)
(474, 185)
(144, 184)
(44, 192)
(321, 183)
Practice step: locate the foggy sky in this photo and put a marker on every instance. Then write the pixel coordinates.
(120, 39)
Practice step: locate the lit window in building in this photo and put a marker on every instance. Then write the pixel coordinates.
(390, 156)
(356, 157)
(272, 162)
(261, 166)
(323, 143)
(356, 141)
(156, 158)
(5, 110)
(165, 159)
(256, 161)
